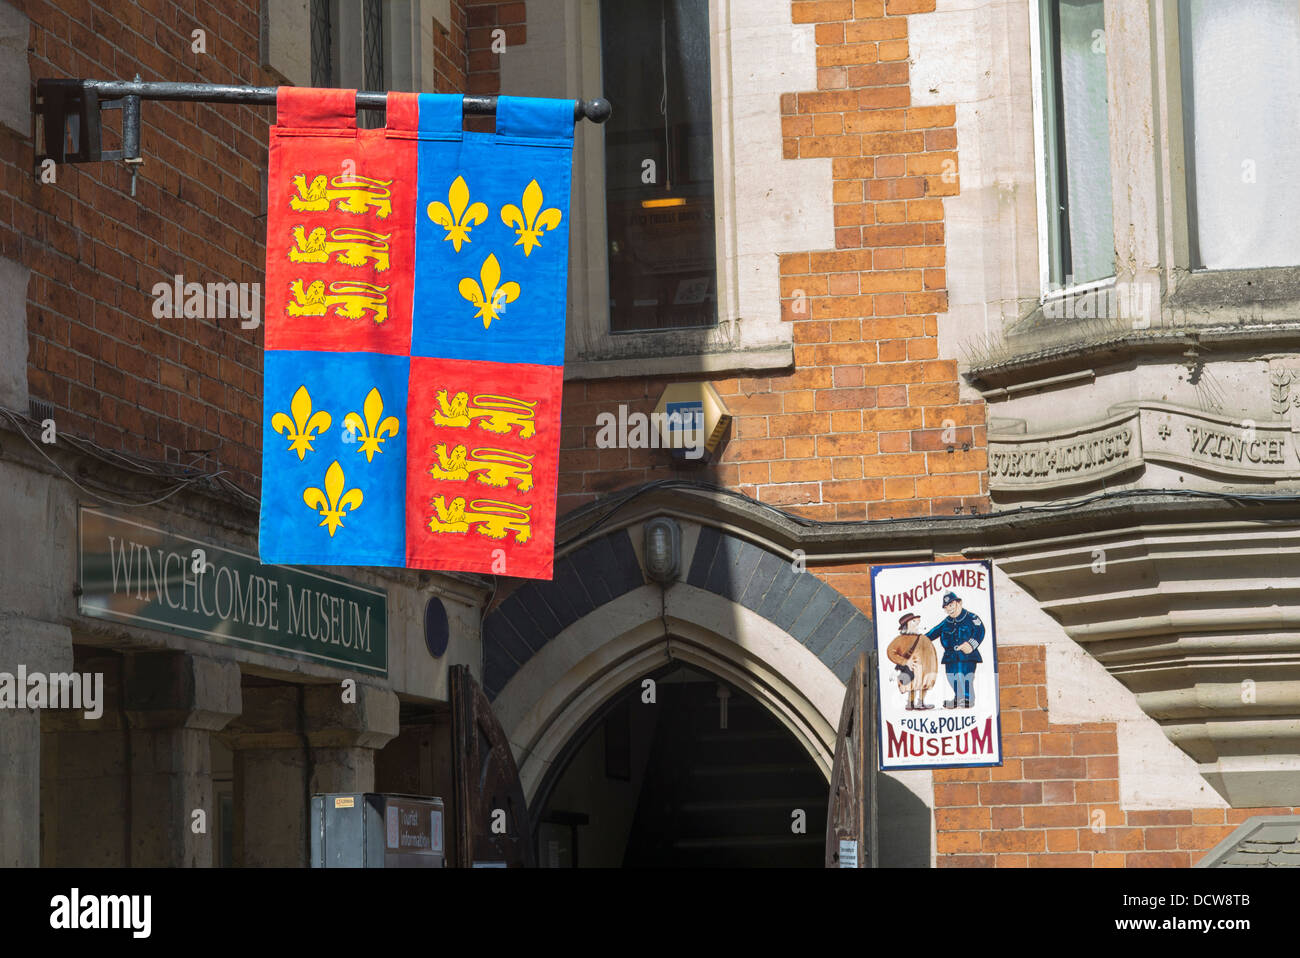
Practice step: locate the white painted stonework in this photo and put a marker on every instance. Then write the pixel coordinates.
(778, 205)
(1153, 772)
(974, 54)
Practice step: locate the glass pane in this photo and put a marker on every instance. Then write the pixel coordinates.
(347, 53)
(372, 66)
(659, 164)
(1240, 90)
(320, 43)
(1078, 148)
(399, 70)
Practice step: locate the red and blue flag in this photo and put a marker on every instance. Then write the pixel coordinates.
(415, 301)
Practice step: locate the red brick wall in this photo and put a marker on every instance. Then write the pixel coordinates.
(856, 429)
(485, 17)
(1038, 808)
(450, 62)
(163, 388)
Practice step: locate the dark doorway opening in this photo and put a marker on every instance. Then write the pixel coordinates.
(703, 776)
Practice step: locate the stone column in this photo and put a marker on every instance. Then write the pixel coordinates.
(270, 759)
(39, 647)
(294, 742)
(345, 735)
(173, 702)
(85, 787)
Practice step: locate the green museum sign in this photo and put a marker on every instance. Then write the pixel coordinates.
(140, 574)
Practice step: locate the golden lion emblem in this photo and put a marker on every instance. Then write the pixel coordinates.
(488, 517)
(347, 298)
(355, 247)
(495, 413)
(354, 194)
(496, 467)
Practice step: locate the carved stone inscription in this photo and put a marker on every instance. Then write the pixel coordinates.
(1079, 456)
(1140, 433)
(1240, 448)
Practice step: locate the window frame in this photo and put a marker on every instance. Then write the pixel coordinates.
(713, 183)
(380, 55)
(592, 349)
(1186, 104)
(1050, 181)
(562, 59)
(1151, 189)
(1193, 288)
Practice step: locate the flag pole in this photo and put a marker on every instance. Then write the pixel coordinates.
(60, 100)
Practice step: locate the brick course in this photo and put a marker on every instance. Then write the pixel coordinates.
(868, 424)
(450, 62)
(1057, 784)
(486, 17)
(168, 389)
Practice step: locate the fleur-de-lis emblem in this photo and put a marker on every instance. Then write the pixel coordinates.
(530, 223)
(333, 502)
(373, 428)
(458, 217)
(489, 298)
(304, 426)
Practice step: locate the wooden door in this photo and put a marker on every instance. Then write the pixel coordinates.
(851, 813)
(492, 827)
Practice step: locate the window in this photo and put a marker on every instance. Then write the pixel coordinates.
(1078, 241)
(659, 165)
(363, 45)
(1241, 123)
(693, 93)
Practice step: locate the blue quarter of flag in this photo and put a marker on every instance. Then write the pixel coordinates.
(302, 498)
(502, 295)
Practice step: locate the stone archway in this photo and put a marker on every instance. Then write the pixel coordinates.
(555, 652)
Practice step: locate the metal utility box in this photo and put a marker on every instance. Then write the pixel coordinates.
(367, 830)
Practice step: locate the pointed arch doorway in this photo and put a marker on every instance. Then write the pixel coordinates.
(615, 714)
(560, 656)
(680, 769)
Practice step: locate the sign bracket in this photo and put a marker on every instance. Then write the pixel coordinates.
(71, 109)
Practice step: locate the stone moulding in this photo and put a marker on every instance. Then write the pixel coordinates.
(1066, 457)
(1139, 432)
(1189, 598)
(1199, 621)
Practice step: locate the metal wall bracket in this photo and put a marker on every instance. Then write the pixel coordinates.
(73, 107)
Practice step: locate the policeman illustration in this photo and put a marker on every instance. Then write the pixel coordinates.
(961, 633)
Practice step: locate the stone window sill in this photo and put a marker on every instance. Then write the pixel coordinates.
(780, 356)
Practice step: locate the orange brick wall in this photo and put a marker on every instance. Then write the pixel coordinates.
(856, 429)
(185, 389)
(486, 16)
(853, 431)
(1037, 809)
(450, 60)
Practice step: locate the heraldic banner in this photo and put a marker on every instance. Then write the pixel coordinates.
(937, 665)
(416, 283)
